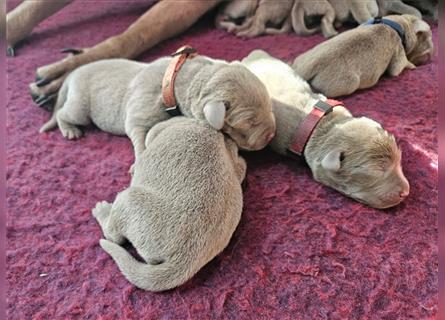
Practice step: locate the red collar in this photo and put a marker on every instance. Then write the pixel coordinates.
(304, 131)
(168, 82)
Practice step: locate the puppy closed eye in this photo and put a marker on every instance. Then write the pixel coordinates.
(227, 105)
(342, 156)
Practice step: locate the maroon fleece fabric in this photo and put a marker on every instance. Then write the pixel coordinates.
(301, 250)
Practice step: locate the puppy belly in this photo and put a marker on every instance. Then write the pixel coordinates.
(112, 123)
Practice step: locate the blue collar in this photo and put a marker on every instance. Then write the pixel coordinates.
(394, 25)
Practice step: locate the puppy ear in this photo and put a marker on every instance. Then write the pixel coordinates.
(215, 112)
(421, 26)
(332, 161)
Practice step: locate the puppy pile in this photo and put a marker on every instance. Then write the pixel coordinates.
(251, 18)
(188, 116)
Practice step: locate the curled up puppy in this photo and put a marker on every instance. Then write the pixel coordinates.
(126, 97)
(182, 207)
(354, 156)
(356, 59)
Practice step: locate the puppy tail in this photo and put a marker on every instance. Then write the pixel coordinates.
(160, 277)
(52, 123)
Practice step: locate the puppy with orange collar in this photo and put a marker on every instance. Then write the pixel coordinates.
(128, 97)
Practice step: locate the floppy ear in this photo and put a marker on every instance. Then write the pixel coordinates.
(332, 161)
(215, 112)
(421, 26)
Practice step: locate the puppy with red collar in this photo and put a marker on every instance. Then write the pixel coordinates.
(356, 59)
(355, 156)
(128, 98)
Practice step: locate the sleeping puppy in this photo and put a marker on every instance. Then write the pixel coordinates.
(124, 97)
(182, 207)
(360, 10)
(305, 10)
(235, 11)
(357, 58)
(269, 12)
(355, 156)
(397, 7)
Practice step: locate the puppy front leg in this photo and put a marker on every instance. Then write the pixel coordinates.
(163, 20)
(398, 63)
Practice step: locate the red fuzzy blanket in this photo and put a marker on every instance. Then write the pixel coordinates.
(301, 251)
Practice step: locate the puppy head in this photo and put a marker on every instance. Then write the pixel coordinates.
(236, 102)
(363, 161)
(420, 46)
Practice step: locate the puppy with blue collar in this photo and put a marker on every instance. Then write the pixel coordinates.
(356, 59)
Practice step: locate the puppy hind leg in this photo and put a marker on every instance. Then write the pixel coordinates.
(244, 26)
(285, 28)
(332, 87)
(102, 213)
(68, 129)
(257, 27)
(72, 114)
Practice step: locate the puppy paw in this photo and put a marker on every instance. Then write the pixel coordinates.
(71, 132)
(410, 66)
(102, 209)
(131, 170)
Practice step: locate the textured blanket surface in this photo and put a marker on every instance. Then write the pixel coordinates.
(301, 251)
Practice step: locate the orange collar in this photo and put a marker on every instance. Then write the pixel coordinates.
(168, 82)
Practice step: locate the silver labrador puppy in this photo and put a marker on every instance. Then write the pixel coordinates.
(182, 206)
(125, 97)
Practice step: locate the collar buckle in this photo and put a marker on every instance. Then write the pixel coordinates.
(309, 123)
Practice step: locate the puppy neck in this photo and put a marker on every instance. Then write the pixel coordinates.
(410, 35)
(322, 132)
(190, 83)
(289, 118)
(198, 91)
